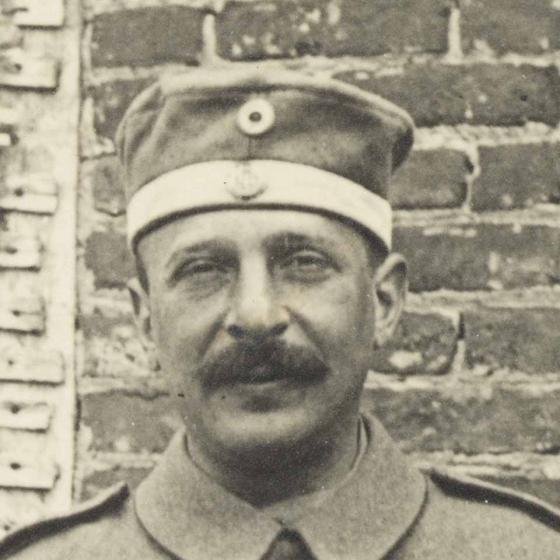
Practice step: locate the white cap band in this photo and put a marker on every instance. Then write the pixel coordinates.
(227, 184)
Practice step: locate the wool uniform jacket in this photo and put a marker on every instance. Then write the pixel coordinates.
(385, 509)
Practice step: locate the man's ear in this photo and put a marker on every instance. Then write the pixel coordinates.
(143, 319)
(390, 284)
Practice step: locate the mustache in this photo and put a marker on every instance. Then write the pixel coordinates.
(260, 362)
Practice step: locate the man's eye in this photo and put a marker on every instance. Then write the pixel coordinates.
(308, 262)
(199, 269)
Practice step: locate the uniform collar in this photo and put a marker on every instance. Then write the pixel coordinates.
(194, 518)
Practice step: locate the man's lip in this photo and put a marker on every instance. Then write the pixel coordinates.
(262, 374)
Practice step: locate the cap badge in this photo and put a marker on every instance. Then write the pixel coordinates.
(244, 184)
(256, 117)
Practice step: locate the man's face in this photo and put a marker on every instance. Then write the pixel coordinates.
(264, 321)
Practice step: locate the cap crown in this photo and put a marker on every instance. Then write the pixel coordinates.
(202, 116)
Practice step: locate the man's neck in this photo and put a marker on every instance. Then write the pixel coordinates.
(268, 476)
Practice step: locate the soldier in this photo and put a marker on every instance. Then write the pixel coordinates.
(258, 217)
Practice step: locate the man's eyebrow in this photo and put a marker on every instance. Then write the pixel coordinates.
(289, 240)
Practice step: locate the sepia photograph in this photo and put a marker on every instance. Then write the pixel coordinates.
(280, 279)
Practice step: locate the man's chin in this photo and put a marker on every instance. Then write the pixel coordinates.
(254, 433)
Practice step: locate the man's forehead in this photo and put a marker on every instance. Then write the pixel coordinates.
(267, 228)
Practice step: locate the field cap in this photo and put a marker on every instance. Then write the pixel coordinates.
(215, 139)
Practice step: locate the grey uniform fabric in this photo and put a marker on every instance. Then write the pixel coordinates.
(385, 509)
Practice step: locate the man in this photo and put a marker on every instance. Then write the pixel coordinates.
(258, 215)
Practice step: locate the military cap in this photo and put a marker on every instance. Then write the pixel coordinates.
(213, 139)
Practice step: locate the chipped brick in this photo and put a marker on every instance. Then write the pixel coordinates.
(147, 36)
(481, 94)
(517, 176)
(108, 257)
(431, 179)
(480, 256)
(526, 340)
(123, 421)
(510, 25)
(267, 29)
(423, 343)
(469, 419)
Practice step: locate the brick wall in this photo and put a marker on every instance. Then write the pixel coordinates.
(39, 106)
(472, 380)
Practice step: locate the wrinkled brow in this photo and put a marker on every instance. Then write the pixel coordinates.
(291, 240)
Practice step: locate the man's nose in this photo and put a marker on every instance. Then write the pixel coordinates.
(255, 312)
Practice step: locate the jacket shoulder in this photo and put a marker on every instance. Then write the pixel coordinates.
(106, 503)
(474, 490)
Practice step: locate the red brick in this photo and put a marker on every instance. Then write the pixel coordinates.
(481, 94)
(527, 340)
(510, 25)
(125, 421)
(480, 256)
(107, 186)
(431, 179)
(108, 257)
(517, 176)
(111, 345)
(111, 101)
(147, 36)
(289, 28)
(98, 481)
(423, 343)
(469, 419)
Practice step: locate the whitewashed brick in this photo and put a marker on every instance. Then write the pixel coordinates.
(17, 251)
(34, 416)
(36, 194)
(35, 13)
(8, 122)
(21, 70)
(22, 315)
(34, 366)
(26, 472)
